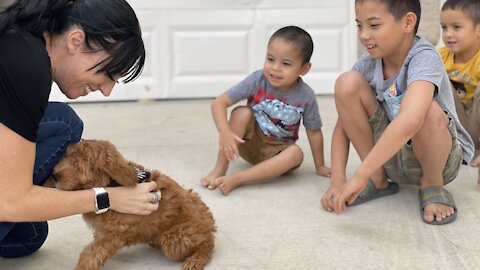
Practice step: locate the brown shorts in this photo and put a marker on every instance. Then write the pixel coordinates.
(470, 117)
(257, 146)
(404, 167)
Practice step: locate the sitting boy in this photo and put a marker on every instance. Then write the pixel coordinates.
(264, 132)
(396, 107)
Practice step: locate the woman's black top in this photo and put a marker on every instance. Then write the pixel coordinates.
(25, 82)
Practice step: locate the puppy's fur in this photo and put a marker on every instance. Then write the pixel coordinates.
(182, 227)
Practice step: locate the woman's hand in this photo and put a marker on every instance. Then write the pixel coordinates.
(134, 200)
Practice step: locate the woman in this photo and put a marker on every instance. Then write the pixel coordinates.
(83, 46)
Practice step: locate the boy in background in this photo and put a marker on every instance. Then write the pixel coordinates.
(460, 21)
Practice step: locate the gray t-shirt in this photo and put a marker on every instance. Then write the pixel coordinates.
(422, 63)
(278, 113)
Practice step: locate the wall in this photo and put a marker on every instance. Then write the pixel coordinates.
(199, 48)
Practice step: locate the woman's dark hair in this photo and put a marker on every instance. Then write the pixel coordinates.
(109, 25)
(299, 37)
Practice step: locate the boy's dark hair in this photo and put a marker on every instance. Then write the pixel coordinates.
(108, 25)
(469, 7)
(299, 37)
(398, 8)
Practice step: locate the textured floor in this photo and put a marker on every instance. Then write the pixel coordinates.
(274, 225)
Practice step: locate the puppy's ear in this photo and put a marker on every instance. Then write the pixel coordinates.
(135, 165)
(118, 168)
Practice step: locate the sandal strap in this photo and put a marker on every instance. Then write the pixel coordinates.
(436, 195)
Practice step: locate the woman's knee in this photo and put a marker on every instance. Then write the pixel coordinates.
(63, 113)
(24, 239)
(41, 229)
(76, 124)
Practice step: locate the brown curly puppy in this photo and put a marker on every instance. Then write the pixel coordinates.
(182, 227)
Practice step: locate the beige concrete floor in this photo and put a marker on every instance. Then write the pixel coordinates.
(273, 225)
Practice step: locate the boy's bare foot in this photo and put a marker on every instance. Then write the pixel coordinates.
(209, 180)
(437, 211)
(437, 206)
(475, 162)
(226, 184)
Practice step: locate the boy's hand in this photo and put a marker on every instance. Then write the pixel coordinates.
(350, 193)
(324, 171)
(329, 196)
(229, 142)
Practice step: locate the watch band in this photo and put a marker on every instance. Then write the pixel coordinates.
(102, 201)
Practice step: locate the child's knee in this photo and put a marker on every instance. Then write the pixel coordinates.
(297, 154)
(243, 112)
(436, 119)
(345, 85)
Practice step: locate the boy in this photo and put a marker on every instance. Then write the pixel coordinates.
(264, 132)
(460, 21)
(396, 107)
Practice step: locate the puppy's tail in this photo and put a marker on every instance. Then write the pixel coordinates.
(200, 257)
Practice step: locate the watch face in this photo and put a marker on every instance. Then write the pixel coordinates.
(103, 201)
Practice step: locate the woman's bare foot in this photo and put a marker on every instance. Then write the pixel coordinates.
(437, 211)
(209, 180)
(226, 184)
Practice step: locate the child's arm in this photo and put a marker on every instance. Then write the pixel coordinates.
(339, 156)
(315, 138)
(413, 109)
(228, 139)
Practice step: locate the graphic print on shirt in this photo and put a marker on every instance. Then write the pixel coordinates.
(393, 98)
(461, 92)
(276, 118)
(465, 76)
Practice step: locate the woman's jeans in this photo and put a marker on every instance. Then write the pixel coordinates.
(60, 126)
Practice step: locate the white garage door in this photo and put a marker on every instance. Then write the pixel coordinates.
(199, 48)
